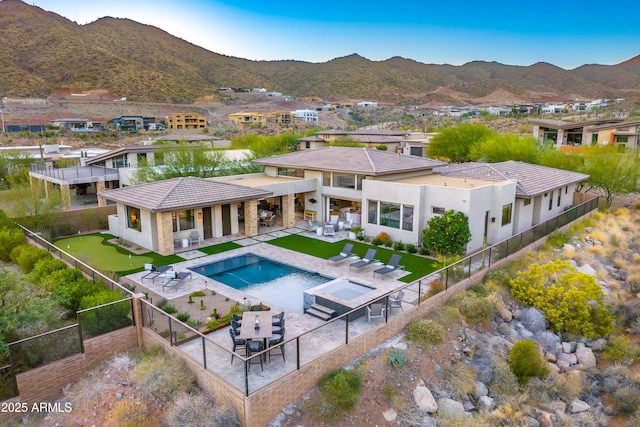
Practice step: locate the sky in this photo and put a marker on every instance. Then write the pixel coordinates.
(565, 33)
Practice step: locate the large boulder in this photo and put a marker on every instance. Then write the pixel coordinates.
(486, 402)
(450, 408)
(424, 399)
(585, 356)
(533, 319)
(578, 406)
(587, 269)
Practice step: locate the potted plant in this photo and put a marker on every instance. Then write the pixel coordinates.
(356, 233)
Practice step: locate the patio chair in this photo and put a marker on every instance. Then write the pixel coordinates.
(194, 237)
(154, 271)
(375, 311)
(272, 221)
(277, 329)
(396, 301)
(344, 253)
(366, 260)
(313, 226)
(277, 319)
(329, 230)
(255, 346)
(391, 266)
(274, 341)
(237, 319)
(175, 279)
(237, 342)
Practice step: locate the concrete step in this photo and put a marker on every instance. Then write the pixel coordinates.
(319, 314)
(324, 309)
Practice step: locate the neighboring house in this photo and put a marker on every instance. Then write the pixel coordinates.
(75, 124)
(499, 111)
(562, 133)
(625, 133)
(305, 115)
(160, 215)
(133, 123)
(248, 118)
(186, 121)
(24, 128)
(367, 104)
(416, 143)
(368, 137)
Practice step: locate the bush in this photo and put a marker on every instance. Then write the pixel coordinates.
(447, 234)
(627, 399)
(128, 412)
(410, 248)
(45, 267)
(183, 317)
(10, 237)
(435, 287)
(526, 361)
(398, 246)
(196, 410)
(397, 358)
(558, 239)
(425, 332)
(160, 377)
(59, 278)
(424, 251)
(384, 238)
(104, 319)
(70, 294)
(25, 256)
(620, 349)
(474, 308)
(339, 393)
(376, 242)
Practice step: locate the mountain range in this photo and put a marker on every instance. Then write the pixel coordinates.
(44, 52)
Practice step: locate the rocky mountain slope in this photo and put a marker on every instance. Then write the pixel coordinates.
(43, 52)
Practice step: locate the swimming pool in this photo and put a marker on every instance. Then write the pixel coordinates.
(265, 280)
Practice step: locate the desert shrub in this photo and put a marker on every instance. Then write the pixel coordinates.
(183, 317)
(44, 267)
(620, 349)
(435, 287)
(397, 358)
(196, 410)
(70, 294)
(571, 301)
(25, 256)
(558, 238)
(60, 278)
(129, 412)
(398, 246)
(475, 309)
(555, 386)
(339, 392)
(507, 414)
(410, 248)
(425, 332)
(384, 238)
(626, 400)
(460, 378)
(480, 289)
(169, 309)
(504, 382)
(10, 237)
(526, 361)
(104, 319)
(197, 294)
(500, 277)
(161, 376)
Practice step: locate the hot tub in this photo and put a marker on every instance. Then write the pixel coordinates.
(341, 295)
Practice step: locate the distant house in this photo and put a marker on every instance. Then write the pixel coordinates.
(367, 104)
(186, 121)
(626, 133)
(499, 111)
(248, 118)
(305, 115)
(562, 133)
(75, 124)
(133, 123)
(24, 128)
(368, 137)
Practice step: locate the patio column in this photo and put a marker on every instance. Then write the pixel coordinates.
(251, 218)
(165, 233)
(99, 188)
(288, 211)
(65, 191)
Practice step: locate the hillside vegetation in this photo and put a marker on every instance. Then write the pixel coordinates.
(43, 52)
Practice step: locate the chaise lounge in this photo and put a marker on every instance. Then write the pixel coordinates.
(391, 266)
(344, 254)
(366, 260)
(175, 279)
(154, 272)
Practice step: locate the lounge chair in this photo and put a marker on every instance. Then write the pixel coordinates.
(375, 311)
(153, 271)
(366, 260)
(396, 301)
(313, 226)
(344, 254)
(175, 279)
(391, 266)
(194, 237)
(329, 230)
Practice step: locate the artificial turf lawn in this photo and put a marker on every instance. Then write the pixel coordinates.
(417, 265)
(222, 247)
(95, 250)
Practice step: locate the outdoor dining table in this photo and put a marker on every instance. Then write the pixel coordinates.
(248, 330)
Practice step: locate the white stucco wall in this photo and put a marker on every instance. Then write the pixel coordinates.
(144, 237)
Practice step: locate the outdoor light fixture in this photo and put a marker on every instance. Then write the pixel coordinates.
(199, 215)
(313, 201)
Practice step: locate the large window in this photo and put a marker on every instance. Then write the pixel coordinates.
(436, 210)
(326, 179)
(298, 173)
(526, 202)
(344, 180)
(407, 217)
(372, 212)
(133, 218)
(551, 200)
(183, 220)
(506, 214)
(390, 214)
(559, 196)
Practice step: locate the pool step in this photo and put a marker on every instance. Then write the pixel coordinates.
(320, 311)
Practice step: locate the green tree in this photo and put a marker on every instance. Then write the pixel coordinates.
(502, 147)
(32, 205)
(612, 172)
(447, 234)
(455, 144)
(571, 301)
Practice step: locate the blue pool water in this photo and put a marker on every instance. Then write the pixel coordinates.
(264, 280)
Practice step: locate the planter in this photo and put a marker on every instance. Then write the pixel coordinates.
(352, 235)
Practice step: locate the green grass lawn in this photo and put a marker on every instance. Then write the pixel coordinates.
(95, 250)
(417, 265)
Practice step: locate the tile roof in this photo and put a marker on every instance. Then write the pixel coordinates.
(531, 179)
(355, 160)
(182, 193)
